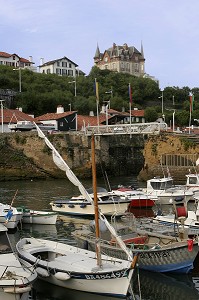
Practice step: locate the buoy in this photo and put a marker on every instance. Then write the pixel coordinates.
(42, 272)
(62, 276)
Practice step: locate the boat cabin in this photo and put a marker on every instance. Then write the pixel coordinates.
(192, 180)
(158, 183)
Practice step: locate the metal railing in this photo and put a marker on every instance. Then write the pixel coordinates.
(137, 128)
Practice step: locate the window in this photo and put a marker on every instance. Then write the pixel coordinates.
(58, 71)
(61, 124)
(48, 71)
(70, 72)
(64, 72)
(58, 63)
(64, 64)
(70, 65)
(13, 57)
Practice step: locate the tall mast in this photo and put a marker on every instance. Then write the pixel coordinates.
(97, 231)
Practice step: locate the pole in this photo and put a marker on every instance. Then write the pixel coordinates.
(97, 102)
(162, 104)
(2, 116)
(19, 80)
(98, 253)
(174, 120)
(75, 87)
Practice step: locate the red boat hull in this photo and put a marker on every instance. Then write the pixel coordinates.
(141, 203)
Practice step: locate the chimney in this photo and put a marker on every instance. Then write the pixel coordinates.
(30, 59)
(91, 113)
(60, 109)
(41, 61)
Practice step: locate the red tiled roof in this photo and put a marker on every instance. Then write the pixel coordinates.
(54, 116)
(137, 113)
(5, 54)
(89, 120)
(14, 115)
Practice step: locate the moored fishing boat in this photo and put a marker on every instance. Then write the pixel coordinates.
(156, 252)
(10, 216)
(75, 268)
(163, 191)
(16, 275)
(31, 216)
(109, 204)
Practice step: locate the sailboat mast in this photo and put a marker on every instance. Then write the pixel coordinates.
(97, 232)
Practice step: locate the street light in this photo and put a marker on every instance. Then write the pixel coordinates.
(110, 92)
(19, 69)
(74, 81)
(162, 96)
(69, 106)
(2, 115)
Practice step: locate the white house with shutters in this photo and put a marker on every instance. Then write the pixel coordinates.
(62, 67)
(15, 61)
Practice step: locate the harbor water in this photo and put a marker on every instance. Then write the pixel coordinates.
(38, 194)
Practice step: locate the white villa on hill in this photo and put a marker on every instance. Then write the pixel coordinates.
(62, 66)
(15, 61)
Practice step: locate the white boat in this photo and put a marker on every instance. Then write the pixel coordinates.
(16, 275)
(138, 198)
(109, 204)
(192, 184)
(10, 216)
(74, 268)
(30, 216)
(182, 218)
(21, 126)
(163, 191)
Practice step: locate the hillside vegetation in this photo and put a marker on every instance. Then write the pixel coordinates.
(42, 93)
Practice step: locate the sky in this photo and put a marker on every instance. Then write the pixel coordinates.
(52, 29)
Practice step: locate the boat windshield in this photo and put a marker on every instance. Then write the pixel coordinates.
(162, 185)
(4, 243)
(192, 180)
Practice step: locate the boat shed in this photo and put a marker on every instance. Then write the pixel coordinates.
(62, 121)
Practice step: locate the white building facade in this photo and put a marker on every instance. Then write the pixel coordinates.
(61, 67)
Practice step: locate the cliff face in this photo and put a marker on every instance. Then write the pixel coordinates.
(26, 156)
(176, 154)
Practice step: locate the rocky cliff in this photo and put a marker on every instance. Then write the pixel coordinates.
(26, 156)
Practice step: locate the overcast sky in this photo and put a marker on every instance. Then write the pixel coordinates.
(52, 29)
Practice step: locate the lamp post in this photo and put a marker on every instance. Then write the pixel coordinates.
(110, 92)
(174, 120)
(2, 115)
(162, 96)
(69, 106)
(74, 81)
(19, 69)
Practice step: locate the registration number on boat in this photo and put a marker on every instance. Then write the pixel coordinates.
(155, 254)
(106, 276)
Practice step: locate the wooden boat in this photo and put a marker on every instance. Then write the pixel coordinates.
(163, 191)
(72, 267)
(109, 204)
(38, 216)
(16, 275)
(156, 252)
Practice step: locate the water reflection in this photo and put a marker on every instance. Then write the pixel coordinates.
(159, 286)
